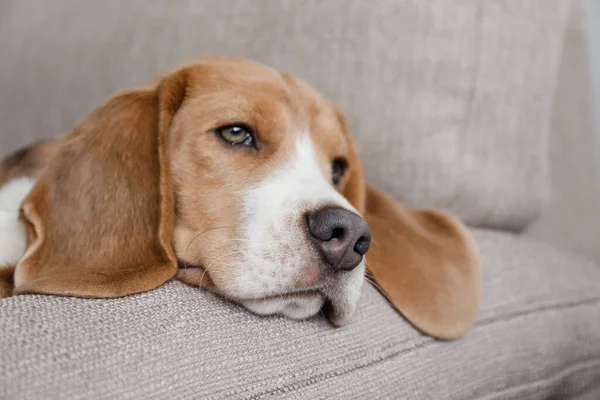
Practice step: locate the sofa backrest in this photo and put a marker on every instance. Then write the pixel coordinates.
(449, 101)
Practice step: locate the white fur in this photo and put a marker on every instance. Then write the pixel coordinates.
(293, 307)
(277, 250)
(12, 232)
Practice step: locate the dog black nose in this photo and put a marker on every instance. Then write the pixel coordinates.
(342, 236)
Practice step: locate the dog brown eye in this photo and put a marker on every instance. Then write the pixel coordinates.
(338, 168)
(236, 135)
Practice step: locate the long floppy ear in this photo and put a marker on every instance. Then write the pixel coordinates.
(426, 264)
(99, 220)
(423, 261)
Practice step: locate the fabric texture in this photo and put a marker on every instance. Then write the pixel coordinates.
(461, 91)
(451, 103)
(572, 217)
(535, 338)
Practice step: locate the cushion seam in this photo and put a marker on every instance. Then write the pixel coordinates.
(536, 308)
(591, 364)
(588, 364)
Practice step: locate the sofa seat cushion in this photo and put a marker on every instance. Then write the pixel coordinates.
(538, 335)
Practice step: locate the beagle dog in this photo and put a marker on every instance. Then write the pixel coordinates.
(236, 178)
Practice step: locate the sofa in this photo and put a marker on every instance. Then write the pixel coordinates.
(479, 108)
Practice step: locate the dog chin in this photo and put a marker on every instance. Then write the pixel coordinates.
(294, 307)
(338, 310)
(338, 298)
(338, 301)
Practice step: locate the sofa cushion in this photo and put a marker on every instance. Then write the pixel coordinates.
(538, 336)
(450, 101)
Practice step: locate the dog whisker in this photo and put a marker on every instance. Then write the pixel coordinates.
(217, 259)
(376, 285)
(200, 234)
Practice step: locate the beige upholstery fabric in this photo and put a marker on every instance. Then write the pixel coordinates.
(572, 218)
(451, 103)
(450, 100)
(534, 339)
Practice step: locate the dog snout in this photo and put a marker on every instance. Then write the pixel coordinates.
(342, 236)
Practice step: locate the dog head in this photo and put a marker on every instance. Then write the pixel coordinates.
(237, 178)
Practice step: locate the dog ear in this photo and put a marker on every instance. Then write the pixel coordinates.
(423, 261)
(99, 220)
(426, 264)
(6, 280)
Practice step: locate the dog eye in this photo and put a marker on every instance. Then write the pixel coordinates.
(236, 135)
(338, 168)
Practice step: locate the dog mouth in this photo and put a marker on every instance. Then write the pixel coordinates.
(304, 294)
(330, 301)
(186, 265)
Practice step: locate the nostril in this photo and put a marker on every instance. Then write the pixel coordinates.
(337, 233)
(362, 245)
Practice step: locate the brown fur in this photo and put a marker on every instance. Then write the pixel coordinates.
(143, 179)
(28, 161)
(6, 281)
(120, 229)
(426, 264)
